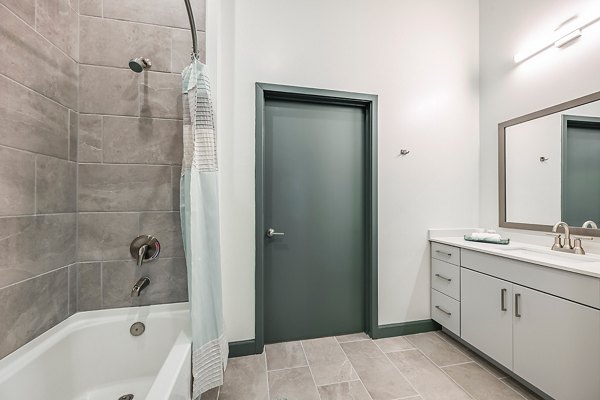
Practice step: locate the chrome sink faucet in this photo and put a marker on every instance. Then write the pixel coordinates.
(566, 245)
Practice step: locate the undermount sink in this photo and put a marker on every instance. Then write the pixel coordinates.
(549, 255)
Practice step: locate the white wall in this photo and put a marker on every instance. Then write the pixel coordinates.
(421, 58)
(509, 90)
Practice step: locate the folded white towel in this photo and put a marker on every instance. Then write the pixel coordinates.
(485, 235)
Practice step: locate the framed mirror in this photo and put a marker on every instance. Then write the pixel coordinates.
(549, 167)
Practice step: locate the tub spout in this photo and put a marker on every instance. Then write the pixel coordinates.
(139, 286)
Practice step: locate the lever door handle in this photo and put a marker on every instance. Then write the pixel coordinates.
(271, 232)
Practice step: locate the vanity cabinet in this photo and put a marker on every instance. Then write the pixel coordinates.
(541, 323)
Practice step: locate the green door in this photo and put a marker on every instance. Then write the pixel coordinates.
(313, 193)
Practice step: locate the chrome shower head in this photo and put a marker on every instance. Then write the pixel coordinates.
(139, 64)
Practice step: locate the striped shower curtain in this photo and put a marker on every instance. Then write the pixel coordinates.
(200, 228)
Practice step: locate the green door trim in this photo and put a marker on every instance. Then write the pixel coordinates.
(266, 91)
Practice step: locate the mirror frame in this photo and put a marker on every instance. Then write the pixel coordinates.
(503, 223)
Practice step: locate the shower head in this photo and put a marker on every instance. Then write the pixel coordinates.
(139, 64)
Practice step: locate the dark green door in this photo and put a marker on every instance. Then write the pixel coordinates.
(314, 193)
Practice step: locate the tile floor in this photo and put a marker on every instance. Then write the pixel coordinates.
(426, 366)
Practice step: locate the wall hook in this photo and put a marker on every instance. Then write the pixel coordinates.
(543, 159)
(404, 152)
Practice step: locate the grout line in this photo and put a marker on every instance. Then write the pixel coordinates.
(511, 388)
(402, 375)
(310, 370)
(267, 373)
(34, 91)
(141, 23)
(37, 276)
(31, 152)
(462, 363)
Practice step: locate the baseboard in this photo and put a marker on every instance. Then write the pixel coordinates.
(242, 348)
(406, 328)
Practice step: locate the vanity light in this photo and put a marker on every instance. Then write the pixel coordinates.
(573, 33)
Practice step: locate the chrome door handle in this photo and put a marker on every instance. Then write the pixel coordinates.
(503, 299)
(271, 232)
(448, 313)
(518, 305)
(443, 277)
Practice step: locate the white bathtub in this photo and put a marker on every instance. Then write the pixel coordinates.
(93, 356)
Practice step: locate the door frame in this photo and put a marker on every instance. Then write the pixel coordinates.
(368, 102)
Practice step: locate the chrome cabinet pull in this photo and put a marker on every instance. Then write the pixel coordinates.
(443, 277)
(444, 253)
(518, 305)
(448, 313)
(503, 300)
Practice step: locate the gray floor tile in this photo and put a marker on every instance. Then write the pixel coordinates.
(363, 348)
(292, 384)
(381, 378)
(479, 383)
(429, 380)
(212, 394)
(285, 355)
(245, 379)
(344, 391)
(438, 350)
(471, 354)
(328, 362)
(398, 343)
(353, 337)
(520, 389)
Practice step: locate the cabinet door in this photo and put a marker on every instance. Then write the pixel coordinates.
(556, 345)
(486, 315)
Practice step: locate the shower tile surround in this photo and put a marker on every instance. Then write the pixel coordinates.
(90, 157)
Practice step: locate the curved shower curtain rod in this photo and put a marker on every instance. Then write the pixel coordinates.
(188, 6)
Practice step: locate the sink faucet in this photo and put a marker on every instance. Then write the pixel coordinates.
(139, 286)
(566, 245)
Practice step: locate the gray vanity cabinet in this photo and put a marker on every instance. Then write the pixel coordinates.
(556, 345)
(486, 315)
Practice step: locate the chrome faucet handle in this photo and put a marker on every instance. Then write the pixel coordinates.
(578, 249)
(141, 254)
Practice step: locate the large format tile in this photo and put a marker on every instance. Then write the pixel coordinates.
(32, 307)
(113, 43)
(328, 362)
(439, 351)
(58, 22)
(166, 227)
(389, 345)
(90, 138)
(107, 90)
(479, 383)
(353, 337)
(107, 236)
(142, 140)
(89, 286)
(17, 182)
(380, 377)
(285, 355)
(124, 188)
(212, 394)
(344, 391)
(292, 384)
(55, 185)
(472, 355)
(33, 245)
(25, 9)
(59, 80)
(426, 377)
(90, 7)
(176, 181)
(29, 121)
(160, 95)
(245, 379)
(181, 48)
(172, 12)
(72, 270)
(168, 282)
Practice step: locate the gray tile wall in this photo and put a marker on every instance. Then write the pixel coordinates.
(90, 156)
(130, 149)
(38, 167)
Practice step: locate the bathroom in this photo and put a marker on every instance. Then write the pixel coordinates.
(91, 156)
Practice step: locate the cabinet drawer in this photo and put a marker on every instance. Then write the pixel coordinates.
(446, 311)
(446, 253)
(445, 278)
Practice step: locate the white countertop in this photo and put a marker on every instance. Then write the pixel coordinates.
(588, 264)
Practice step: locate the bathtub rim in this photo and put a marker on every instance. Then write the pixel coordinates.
(29, 352)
